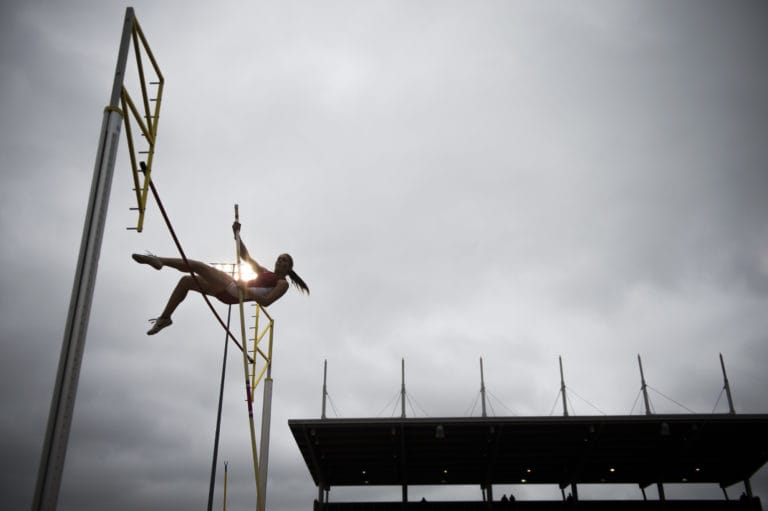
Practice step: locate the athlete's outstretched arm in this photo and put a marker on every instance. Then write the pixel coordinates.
(277, 292)
(244, 254)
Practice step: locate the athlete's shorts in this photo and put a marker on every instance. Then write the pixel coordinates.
(231, 295)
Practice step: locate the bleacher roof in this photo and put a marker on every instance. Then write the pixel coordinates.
(715, 448)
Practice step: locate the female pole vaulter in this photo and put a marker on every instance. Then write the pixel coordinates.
(265, 289)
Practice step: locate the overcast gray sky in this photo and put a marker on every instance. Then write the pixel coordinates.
(513, 180)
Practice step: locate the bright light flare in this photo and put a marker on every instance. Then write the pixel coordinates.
(231, 269)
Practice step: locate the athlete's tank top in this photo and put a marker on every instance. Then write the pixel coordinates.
(264, 279)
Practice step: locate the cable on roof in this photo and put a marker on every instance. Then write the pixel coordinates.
(471, 410)
(394, 398)
(423, 410)
(677, 403)
(580, 397)
(557, 398)
(332, 405)
(718, 400)
(499, 401)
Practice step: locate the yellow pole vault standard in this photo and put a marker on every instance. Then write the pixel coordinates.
(146, 120)
(265, 375)
(248, 389)
(258, 337)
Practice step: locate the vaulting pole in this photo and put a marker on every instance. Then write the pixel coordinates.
(73, 345)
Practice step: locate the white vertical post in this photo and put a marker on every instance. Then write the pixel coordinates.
(73, 344)
(266, 419)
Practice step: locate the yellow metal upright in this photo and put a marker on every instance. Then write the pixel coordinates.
(145, 118)
(248, 390)
(258, 370)
(262, 329)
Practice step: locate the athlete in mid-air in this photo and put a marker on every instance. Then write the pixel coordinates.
(267, 287)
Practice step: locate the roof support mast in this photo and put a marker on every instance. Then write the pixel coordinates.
(404, 487)
(574, 488)
(482, 387)
(731, 410)
(402, 388)
(325, 389)
(644, 387)
(562, 388)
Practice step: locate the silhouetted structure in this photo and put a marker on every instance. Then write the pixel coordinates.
(721, 449)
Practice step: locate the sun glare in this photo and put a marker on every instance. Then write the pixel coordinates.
(231, 269)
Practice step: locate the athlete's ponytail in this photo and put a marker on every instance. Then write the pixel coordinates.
(298, 282)
(295, 279)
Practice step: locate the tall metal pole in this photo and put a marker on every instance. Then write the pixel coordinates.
(644, 387)
(402, 388)
(218, 414)
(325, 391)
(731, 410)
(482, 387)
(562, 387)
(73, 344)
(225, 486)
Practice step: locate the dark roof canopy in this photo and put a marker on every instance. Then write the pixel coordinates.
(716, 448)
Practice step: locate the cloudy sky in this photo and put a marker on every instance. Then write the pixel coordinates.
(509, 180)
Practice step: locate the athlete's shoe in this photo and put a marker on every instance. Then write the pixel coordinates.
(159, 324)
(149, 259)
